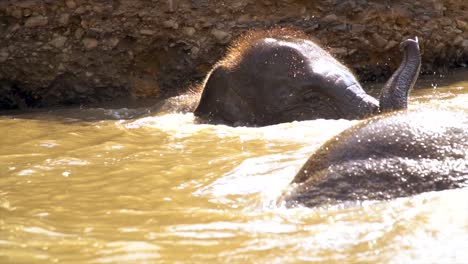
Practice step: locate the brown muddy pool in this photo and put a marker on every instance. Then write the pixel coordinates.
(101, 185)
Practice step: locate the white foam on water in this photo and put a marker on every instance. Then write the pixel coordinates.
(185, 124)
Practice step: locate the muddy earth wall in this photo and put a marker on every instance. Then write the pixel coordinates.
(86, 51)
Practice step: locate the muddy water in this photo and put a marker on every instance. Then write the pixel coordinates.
(100, 186)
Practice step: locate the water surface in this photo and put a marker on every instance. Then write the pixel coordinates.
(114, 186)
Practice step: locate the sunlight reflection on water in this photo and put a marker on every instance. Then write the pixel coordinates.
(104, 186)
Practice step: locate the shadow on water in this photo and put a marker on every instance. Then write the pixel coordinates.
(81, 114)
(122, 109)
(427, 89)
(452, 81)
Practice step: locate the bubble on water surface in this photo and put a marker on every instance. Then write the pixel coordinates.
(26, 172)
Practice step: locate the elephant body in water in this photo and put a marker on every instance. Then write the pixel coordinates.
(393, 155)
(275, 76)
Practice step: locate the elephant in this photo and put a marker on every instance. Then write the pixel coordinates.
(392, 155)
(280, 75)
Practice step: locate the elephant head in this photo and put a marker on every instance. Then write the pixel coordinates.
(276, 76)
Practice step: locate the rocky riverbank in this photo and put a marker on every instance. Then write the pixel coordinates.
(85, 51)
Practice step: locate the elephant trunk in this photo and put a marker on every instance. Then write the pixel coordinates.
(395, 93)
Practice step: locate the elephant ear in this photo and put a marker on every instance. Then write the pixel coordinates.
(395, 93)
(219, 103)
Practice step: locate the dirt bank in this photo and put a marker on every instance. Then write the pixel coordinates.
(82, 51)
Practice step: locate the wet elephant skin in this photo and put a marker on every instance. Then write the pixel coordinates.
(394, 155)
(276, 76)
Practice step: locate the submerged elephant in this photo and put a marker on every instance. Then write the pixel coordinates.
(276, 76)
(393, 155)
